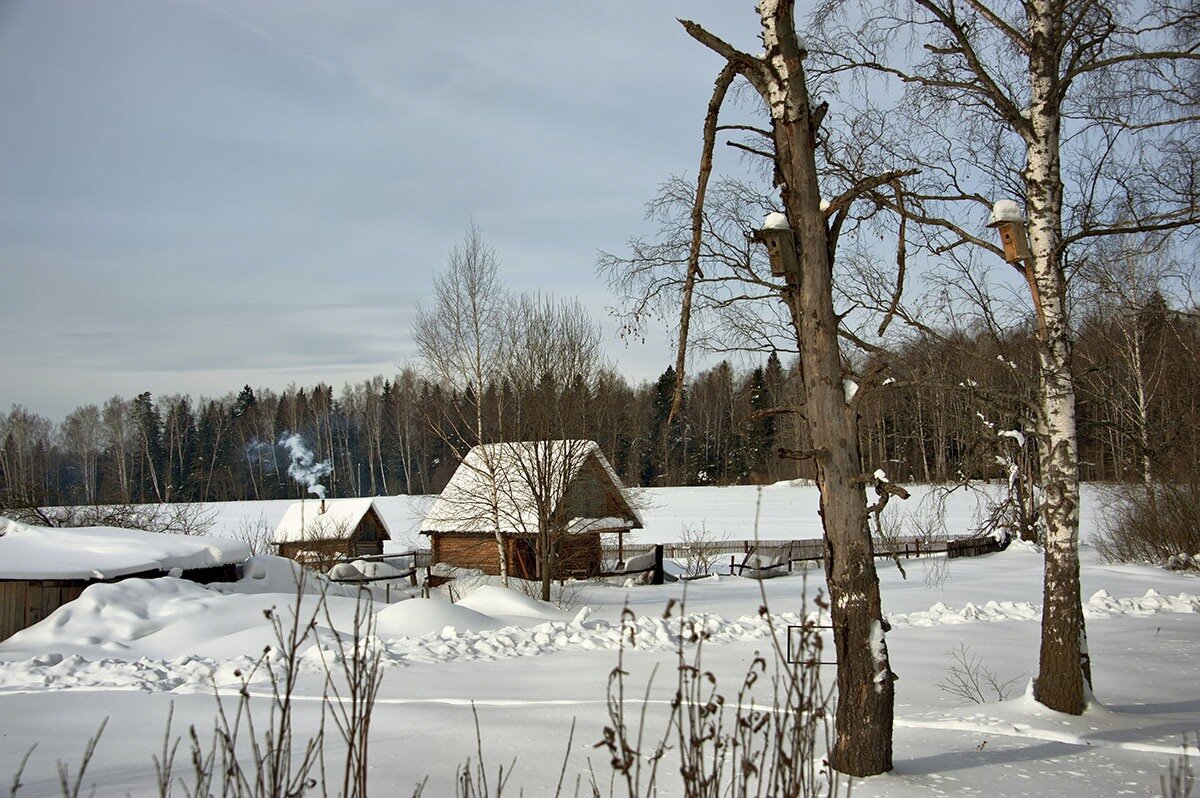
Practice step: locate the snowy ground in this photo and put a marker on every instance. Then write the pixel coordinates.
(784, 511)
(129, 651)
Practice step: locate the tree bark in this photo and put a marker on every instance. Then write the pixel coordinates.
(1063, 668)
(863, 724)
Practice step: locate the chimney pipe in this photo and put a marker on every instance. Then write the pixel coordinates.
(322, 506)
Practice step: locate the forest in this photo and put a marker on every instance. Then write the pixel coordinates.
(934, 421)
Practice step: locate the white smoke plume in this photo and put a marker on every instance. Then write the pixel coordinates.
(304, 467)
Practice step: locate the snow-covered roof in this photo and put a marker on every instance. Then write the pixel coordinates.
(103, 552)
(305, 520)
(496, 485)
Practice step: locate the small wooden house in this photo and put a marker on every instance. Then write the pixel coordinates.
(509, 490)
(43, 568)
(324, 530)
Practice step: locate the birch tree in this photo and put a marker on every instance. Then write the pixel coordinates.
(1086, 111)
(82, 440)
(461, 340)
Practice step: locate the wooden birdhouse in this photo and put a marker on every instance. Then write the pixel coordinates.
(777, 237)
(1008, 218)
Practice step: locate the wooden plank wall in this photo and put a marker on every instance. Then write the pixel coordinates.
(25, 602)
(471, 551)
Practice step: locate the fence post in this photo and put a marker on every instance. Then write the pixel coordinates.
(731, 559)
(657, 578)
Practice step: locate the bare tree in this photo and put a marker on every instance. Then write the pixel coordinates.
(121, 443)
(1125, 290)
(553, 361)
(1086, 111)
(461, 341)
(80, 434)
(807, 231)
(25, 442)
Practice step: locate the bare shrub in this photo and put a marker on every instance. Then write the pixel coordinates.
(255, 754)
(256, 534)
(969, 679)
(565, 594)
(179, 519)
(739, 749)
(701, 548)
(1180, 778)
(1149, 526)
(68, 787)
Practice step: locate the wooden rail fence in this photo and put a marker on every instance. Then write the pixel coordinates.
(790, 552)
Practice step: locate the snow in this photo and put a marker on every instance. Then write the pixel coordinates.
(775, 221)
(1015, 434)
(609, 524)
(529, 669)
(502, 602)
(420, 617)
(330, 519)
(786, 511)
(511, 473)
(36, 552)
(1006, 210)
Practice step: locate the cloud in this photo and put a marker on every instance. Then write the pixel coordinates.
(176, 176)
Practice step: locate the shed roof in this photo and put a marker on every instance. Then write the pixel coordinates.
(305, 521)
(496, 486)
(103, 552)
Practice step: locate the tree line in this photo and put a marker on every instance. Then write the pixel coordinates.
(936, 421)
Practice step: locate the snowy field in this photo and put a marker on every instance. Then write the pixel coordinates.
(130, 651)
(785, 511)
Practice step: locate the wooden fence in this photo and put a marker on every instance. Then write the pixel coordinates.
(789, 552)
(973, 547)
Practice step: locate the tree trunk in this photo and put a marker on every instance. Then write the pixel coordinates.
(1063, 666)
(865, 684)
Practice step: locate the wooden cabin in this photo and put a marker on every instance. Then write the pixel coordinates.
(320, 531)
(498, 489)
(43, 568)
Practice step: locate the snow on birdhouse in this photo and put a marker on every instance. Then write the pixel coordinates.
(775, 221)
(1008, 218)
(1006, 211)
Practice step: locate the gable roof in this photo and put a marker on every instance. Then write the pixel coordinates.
(305, 521)
(495, 486)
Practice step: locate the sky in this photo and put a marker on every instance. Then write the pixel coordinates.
(199, 195)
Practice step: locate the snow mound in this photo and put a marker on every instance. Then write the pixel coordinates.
(345, 571)
(269, 574)
(101, 552)
(1024, 546)
(419, 617)
(501, 601)
(375, 569)
(168, 618)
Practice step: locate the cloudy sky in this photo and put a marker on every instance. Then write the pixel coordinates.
(196, 195)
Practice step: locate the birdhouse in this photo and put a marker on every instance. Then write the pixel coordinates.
(777, 237)
(1009, 219)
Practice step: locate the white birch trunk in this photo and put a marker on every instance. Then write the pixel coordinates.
(1063, 667)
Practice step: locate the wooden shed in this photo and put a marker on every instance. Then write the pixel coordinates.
(319, 532)
(499, 488)
(43, 568)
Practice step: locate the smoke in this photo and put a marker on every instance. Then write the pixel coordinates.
(304, 467)
(261, 453)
